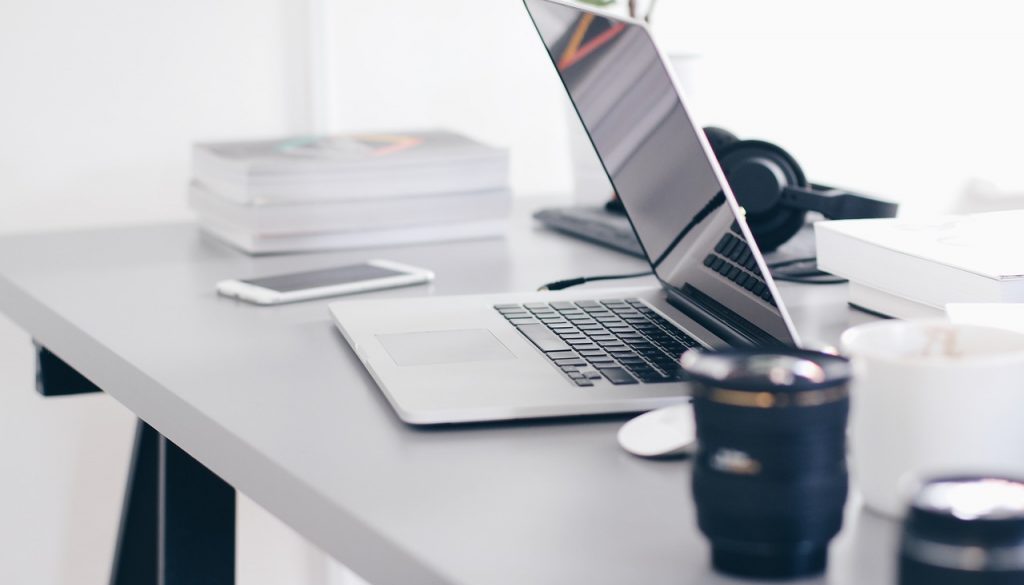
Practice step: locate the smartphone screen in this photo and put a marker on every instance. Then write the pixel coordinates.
(319, 278)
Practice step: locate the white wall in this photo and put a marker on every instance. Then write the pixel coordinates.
(908, 100)
(103, 98)
(64, 464)
(473, 65)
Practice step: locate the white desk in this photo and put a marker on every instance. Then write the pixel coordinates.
(273, 401)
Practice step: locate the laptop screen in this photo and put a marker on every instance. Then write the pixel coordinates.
(660, 166)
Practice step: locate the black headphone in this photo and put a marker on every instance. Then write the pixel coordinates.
(776, 195)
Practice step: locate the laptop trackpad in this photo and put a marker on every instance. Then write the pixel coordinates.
(424, 348)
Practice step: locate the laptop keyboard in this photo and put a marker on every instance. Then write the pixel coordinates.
(622, 341)
(734, 260)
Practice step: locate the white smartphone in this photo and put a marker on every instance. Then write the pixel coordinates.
(342, 280)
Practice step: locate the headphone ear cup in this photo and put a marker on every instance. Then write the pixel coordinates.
(757, 172)
(720, 139)
(774, 230)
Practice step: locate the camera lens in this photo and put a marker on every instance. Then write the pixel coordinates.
(965, 531)
(769, 477)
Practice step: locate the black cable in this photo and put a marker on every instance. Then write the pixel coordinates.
(814, 276)
(809, 280)
(792, 262)
(561, 284)
(809, 274)
(804, 277)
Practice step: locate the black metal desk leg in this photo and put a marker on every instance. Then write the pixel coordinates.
(196, 520)
(135, 555)
(178, 518)
(54, 377)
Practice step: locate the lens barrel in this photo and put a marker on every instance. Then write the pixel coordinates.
(965, 531)
(769, 477)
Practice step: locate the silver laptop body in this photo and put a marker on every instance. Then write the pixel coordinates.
(462, 359)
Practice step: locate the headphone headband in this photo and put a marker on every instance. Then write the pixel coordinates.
(772, 188)
(836, 203)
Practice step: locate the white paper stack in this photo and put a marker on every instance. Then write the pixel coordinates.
(323, 192)
(914, 268)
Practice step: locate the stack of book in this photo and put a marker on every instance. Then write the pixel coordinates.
(325, 192)
(914, 268)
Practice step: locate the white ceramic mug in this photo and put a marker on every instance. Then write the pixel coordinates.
(931, 399)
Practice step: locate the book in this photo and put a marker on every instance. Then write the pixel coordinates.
(889, 305)
(277, 244)
(348, 214)
(911, 268)
(317, 168)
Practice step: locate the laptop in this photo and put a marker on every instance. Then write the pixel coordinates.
(579, 352)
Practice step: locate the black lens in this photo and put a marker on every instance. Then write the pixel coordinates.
(769, 479)
(965, 531)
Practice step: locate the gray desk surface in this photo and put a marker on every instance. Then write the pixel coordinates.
(273, 401)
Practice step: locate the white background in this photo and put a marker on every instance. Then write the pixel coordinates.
(916, 101)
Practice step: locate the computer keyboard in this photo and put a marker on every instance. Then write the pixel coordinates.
(622, 341)
(593, 223)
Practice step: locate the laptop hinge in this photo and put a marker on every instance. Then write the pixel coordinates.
(718, 319)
